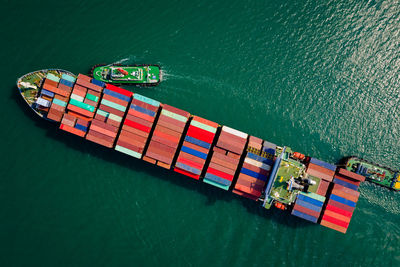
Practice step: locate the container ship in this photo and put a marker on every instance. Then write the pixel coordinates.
(141, 75)
(195, 147)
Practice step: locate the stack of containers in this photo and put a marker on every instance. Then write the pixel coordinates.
(166, 136)
(195, 148)
(104, 127)
(82, 104)
(256, 168)
(323, 171)
(342, 201)
(137, 126)
(225, 158)
(55, 92)
(308, 206)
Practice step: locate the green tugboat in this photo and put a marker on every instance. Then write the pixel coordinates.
(375, 173)
(142, 75)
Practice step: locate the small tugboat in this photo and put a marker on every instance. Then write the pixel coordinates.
(375, 173)
(141, 75)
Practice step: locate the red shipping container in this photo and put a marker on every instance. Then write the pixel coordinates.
(333, 226)
(220, 174)
(99, 141)
(111, 110)
(227, 137)
(139, 120)
(345, 195)
(65, 88)
(176, 110)
(90, 102)
(255, 140)
(164, 165)
(345, 179)
(138, 149)
(164, 141)
(65, 121)
(99, 135)
(57, 107)
(248, 190)
(133, 136)
(156, 156)
(70, 117)
(105, 126)
(150, 160)
(206, 122)
(50, 82)
(77, 115)
(92, 92)
(113, 122)
(224, 157)
(115, 100)
(322, 187)
(255, 169)
(89, 85)
(243, 194)
(82, 122)
(335, 221)
(171, 121)
(100, 117)
(135, 131)
(320, 169)
(337, 216)
(133, 142)
(137, 126)
(351, 175)
(53, 116)
(233, 155)
(162, 147)
(306, 211)
(196, 147)
(346, 190)
(200, 134)
(141, 115)
(220, 150)
(167, 131)
(166, 136)
(119, 90)
(191, 163)
(81, 111)
(72, 130)
(103, 131)
(83, 77)
(230, 147)
(319, 174)
(253, 185)
(339, 210)
(144, 105)
(192, 158)
(341, 205)
(171, 126)
(223, 163)
(178, 170)
(245, 177)
(65, 99)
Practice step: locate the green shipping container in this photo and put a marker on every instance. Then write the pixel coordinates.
(81, 105)
(113, 105)
(92, 97)
(173, 115)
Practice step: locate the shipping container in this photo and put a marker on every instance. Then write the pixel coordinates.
(304, 216)
(323, 164)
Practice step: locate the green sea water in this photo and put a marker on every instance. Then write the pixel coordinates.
(319, 76)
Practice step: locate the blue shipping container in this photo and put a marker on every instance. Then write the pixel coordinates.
(345, 184)
(187, 168)
(308, 205)
(80, 127)
(143, 110)
(323, 164)
(254, 174)
(343, 200)
(304, 216)
(48, 93)
(194, 152)
(217, 179)
(259, 158)
(97, 82)
(67, 83)
(197, 142)
(310, 200)
(117, 95)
